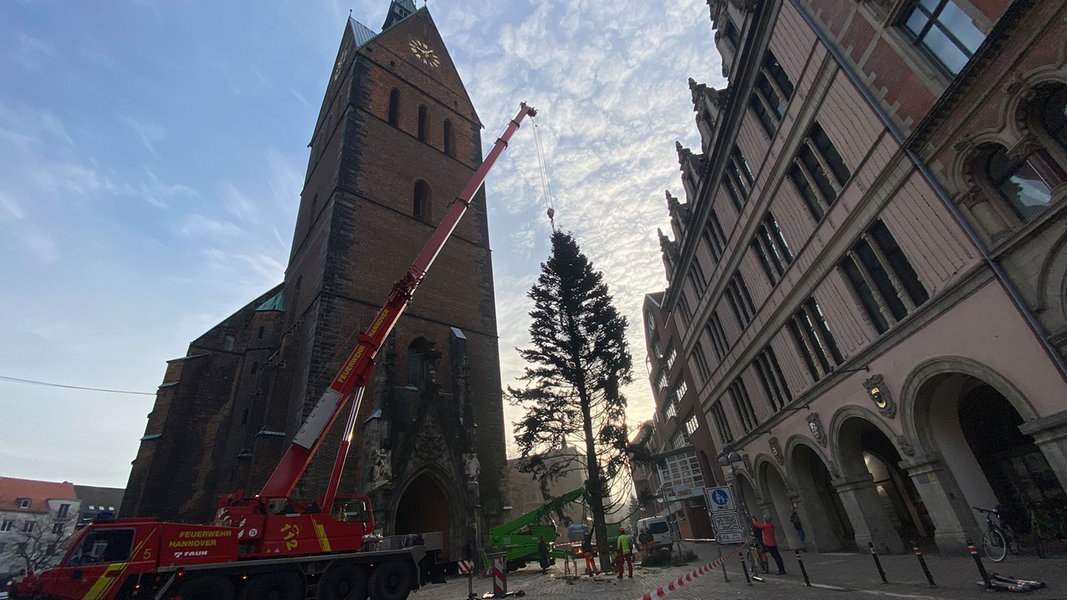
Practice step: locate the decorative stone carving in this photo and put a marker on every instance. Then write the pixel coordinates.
(878, 392)
(747, 460)
(471, 467)
(383, 469)
(817, 430)
(833, 471)
(430, 444)
(776, 450)
(905, 446)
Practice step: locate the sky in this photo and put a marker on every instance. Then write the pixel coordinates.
(152, 155)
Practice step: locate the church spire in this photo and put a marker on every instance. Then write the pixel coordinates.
(398, 11)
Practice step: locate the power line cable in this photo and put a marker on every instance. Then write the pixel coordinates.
(73, 387)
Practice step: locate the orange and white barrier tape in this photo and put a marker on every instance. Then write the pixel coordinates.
(688, 577)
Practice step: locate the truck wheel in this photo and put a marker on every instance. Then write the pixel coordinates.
(391, 580)
(210, 587)
(274, 586)
(343, 582)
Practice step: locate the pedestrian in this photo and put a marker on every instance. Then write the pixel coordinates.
(795, 520)
(587, 552)
(770, 541)
(542, 553)
(625, 547)
(645, 540)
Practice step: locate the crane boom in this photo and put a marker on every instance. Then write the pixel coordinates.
(356, 369)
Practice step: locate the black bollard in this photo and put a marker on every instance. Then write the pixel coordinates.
(725, 577)
(803, 571)
(744, 569)
(981, 567)
(922, 563)
(877, 563)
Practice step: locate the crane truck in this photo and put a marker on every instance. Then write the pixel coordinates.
(270, 545)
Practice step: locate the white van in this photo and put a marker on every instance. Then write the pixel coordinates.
(660, 530)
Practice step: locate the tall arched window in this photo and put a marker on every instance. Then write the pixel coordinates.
(422, 123)
(394, 108)
(421, 201)
(450, 147)
(420, 357)
(1025, 182)
(1053, 113)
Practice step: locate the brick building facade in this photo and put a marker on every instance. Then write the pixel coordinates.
(396, 139)
(867, 272)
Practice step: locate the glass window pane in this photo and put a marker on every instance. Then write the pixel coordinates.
(945, 50)
(961, 27)
(1027, 192)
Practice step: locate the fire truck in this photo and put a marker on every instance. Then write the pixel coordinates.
(270, 545)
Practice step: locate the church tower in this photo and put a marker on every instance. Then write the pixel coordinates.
(396, 139)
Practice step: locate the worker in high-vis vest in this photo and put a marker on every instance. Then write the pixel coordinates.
(625, 546)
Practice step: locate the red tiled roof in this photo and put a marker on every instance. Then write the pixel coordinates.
(39, 493)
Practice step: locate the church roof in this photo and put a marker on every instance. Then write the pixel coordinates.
(275, 302)
(398, 11)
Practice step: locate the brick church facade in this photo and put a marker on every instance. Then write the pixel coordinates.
(396, 138)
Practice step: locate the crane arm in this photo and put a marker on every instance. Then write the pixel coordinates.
(356, 369)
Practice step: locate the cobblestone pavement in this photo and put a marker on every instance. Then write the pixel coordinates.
(832, 575)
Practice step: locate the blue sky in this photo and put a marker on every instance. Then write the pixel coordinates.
(152, 155)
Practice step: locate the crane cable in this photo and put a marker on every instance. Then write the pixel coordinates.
(546, 185)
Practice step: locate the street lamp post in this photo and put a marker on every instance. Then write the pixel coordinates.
(728, 458)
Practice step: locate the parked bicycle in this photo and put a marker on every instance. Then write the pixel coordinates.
(999, 538)
(757, 559)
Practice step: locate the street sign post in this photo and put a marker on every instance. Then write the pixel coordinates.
(725, 519)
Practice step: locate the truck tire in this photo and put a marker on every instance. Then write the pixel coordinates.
(391, 580)
(208, 587)
(343, 582)
(285, 585)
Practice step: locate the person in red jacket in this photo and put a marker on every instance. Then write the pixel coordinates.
(770, 542)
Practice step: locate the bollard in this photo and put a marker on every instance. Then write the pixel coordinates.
(922, 563)
(744, 569)
(725, 577)
(981, 567)
(803, 571)
(877, 562)
(500, 577)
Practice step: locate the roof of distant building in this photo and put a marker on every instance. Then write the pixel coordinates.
(12, 490)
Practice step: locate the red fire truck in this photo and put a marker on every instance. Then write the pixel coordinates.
(270, 545)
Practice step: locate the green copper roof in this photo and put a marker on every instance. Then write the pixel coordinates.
(276, 302)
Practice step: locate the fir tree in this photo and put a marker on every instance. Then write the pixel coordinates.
(576, 367)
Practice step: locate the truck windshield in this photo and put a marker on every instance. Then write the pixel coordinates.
(102, 546)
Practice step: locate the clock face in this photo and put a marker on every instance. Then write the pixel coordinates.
(423, 52)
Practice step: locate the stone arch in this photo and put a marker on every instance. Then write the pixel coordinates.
(777, 504)
(964, 418)
(817, 502)
(425, 504)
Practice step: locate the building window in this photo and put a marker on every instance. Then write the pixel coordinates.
(1025, 183)
(771, 248)
(650, 321)
(818, 171)
(740, 300)
(259, 334)
(683, 308)
(813, 339)
(772, 380)
(421, 201)
(228, 342)
(669, 411)
(701, 362)
(7, 525)
(881, 277)
(731, 34)
(422, 123)
(714, 236)
(718, 336)
(680, 390)
(57, 529)
(718, 415)
(771, 93)
(671, 355)
(691, 424)
(450, 144)
(255, 367)
(738, 179)
(23, 502)
(394, 108)
(943, 30)
(64, 510)
(699, 280)
(1052, 113)
(28, 526)
(743, 405)
(662, 381)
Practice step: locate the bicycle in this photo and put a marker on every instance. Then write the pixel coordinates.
(998, 538)
(757, 559)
